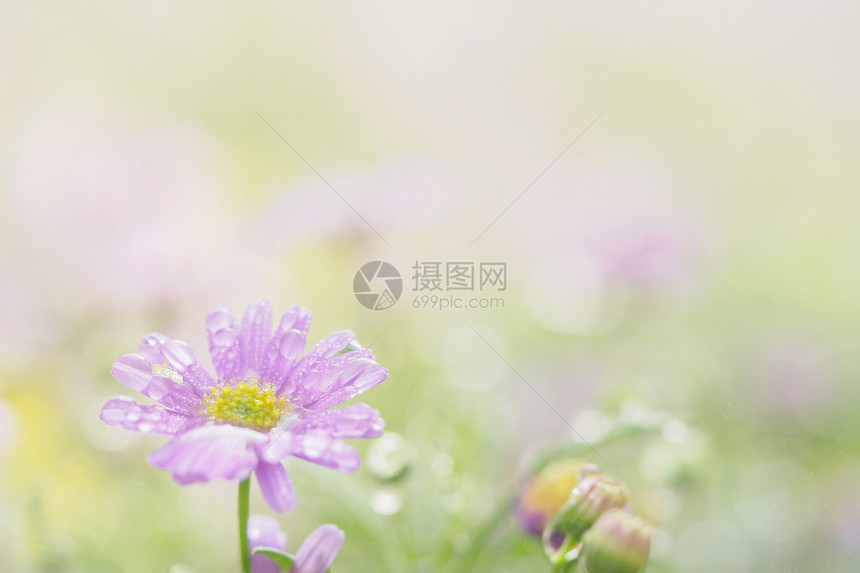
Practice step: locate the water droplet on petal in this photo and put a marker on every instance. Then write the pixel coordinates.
(224, 338)
(291, 344)
(219, 320)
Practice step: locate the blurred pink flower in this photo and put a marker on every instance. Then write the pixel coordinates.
(588, 238)
(264, 531)
(315, 555)
(794, 373)
(25, 322)
(624, 220)
(104, 211)
(403, 200)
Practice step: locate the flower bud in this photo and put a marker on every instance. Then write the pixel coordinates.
(617, 543)
(593, 496)
(541, 496)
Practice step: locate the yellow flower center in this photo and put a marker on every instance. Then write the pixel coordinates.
(247, 403)
(548, 491)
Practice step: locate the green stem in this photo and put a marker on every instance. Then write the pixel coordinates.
(559, 558)
(244, 510)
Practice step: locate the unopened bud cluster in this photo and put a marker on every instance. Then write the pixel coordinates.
(593, 527)
(594, 495)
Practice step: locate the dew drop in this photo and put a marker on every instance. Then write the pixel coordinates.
(219, 320)
(224, 338)
(291, 344)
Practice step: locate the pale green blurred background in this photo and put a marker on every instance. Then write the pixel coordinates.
(693, 254)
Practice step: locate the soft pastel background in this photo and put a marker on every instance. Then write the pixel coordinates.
(693, 257)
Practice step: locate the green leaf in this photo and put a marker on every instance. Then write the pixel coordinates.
(285, 560)
(282, 558)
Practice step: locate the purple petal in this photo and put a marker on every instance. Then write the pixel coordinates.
(276, 486)
(181, 358)
(123, 412)
(318, 551)
(262, 564)
(183, 399)
(320, 352)
(354, 421)
(136, 372)
(149, 347)
(315, 446)
(334, 370)
(340, 378)
(224, 343)
(286, 345)
(256, 332)
(264, 531)
(210, 452)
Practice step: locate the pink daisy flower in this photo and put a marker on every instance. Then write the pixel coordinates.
(266, 404)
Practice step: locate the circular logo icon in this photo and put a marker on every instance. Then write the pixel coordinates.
(377, 285)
